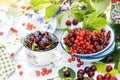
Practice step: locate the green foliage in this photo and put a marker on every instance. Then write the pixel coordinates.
(101, 5)
(94, 23)
(61, 16)
(61, 73)
(51, 11)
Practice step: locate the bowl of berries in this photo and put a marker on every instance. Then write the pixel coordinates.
(40, 48)
(89, 45)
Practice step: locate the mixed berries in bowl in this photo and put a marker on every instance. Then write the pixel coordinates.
(40, 41)
(88, 44)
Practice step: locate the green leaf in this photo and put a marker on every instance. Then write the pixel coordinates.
(119, 66)
(33, 46)
(60, 16)
(61, 73)
(78, 14)
(41, 6)
(101, 5)
(51, 11)
(101, 67)
(94, 23)
(66, 30)
(67, 48)
(55, 1)
(38, 2)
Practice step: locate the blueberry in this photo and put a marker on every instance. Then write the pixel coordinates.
(52, 38)
(83, 8)
(45, 40)
(36, 34)
(26, 39)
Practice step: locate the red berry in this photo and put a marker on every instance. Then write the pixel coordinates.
(107, 76)
(78, 59)
(93, 68)
(68, 22)
(19, 66)
(114, 1)
(12, 54)
(110, 59)
(75, 22)
(43, 73)
(69, 60)
(21, 73)
(13, 30)
(99, 77)
(108, 68)
(37, 73)
(113, 78)
(49, 70)
(44, 69)
(78, 65)
(1, 33)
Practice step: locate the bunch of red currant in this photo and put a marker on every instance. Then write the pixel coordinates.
(83, 41)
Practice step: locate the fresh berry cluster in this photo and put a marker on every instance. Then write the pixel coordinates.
(77, 59)
(74, 22)
(90, 71)
(41, 41)
(107, 76)
(44, 72)
(84, 41)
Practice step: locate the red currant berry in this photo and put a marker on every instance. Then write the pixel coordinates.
(113, 78)
(110, 59)
(108, 68)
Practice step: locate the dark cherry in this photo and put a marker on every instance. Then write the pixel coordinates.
(93, 68)
(80, 76)
(75, 22)
(99, 77)
(86, 69)
(91, 73)
(107, 76)
(80, 72)
(67, 73)
(68, 22)
(108, 68)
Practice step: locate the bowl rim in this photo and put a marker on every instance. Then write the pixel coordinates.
(94, 54)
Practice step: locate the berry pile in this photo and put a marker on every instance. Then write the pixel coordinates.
(83, 41)
(41, 41)
(107, 76)
(90, 71)
(44, 72)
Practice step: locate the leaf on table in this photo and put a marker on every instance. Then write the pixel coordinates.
(51, 11)
(60, 16)
(101, 5)
(61, 73)
(117, 65)
(101, 67)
